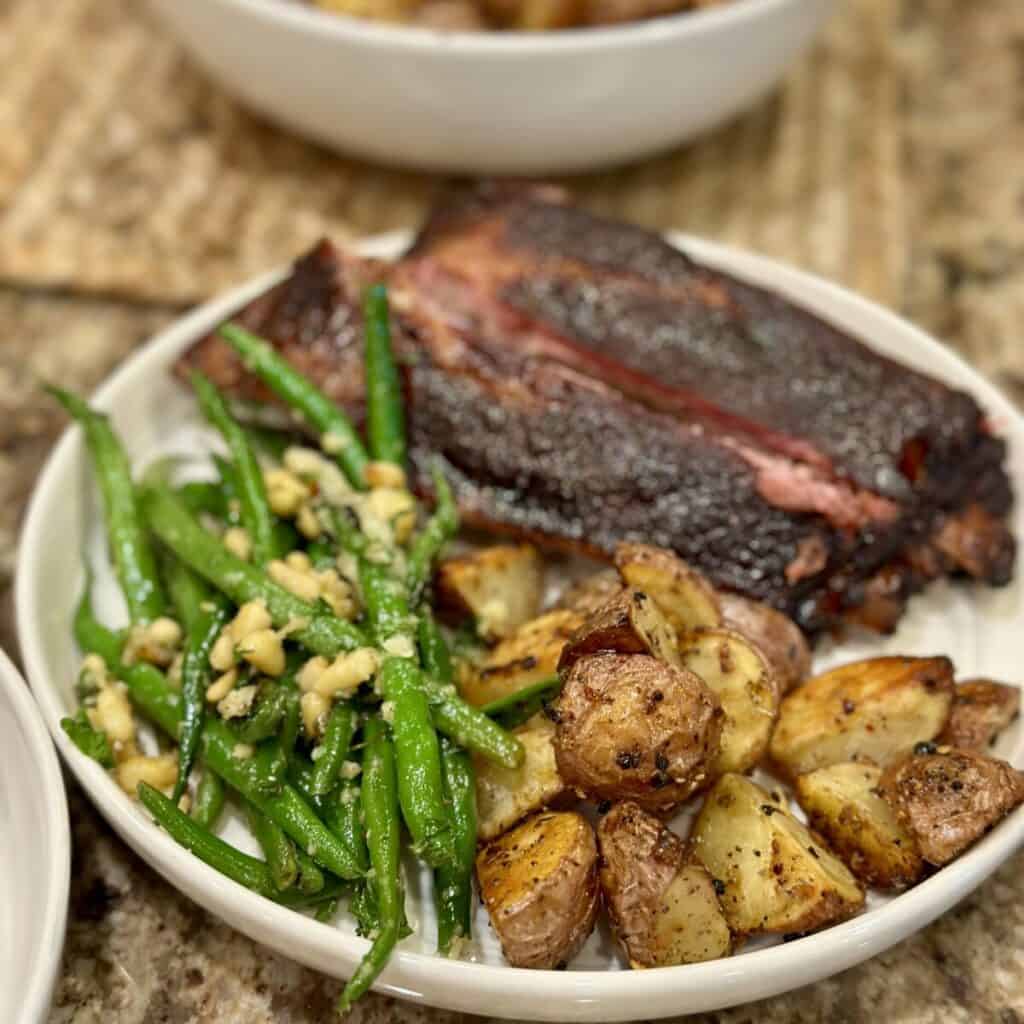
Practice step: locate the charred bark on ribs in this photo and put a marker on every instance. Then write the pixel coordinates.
(586, 383)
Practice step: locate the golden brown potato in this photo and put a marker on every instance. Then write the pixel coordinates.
(529, 655)
(631, 727)
(499, 586)
(874, 710)
(686, 599)
(773, 874)
(505, 795)
(948, 800)
(738, 674)
(776, 635)
(663, 910)
(539, 884)
(628, 623)
(982, 709)
(590, 593)
(842, 803)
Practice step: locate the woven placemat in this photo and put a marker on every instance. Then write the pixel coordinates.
(124, 171)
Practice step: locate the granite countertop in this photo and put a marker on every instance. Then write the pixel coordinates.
(139, 953)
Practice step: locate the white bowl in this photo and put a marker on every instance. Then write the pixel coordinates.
(35, 855)
(980, 629)
(495, 102)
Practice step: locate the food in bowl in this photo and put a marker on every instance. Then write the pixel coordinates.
(522, 15)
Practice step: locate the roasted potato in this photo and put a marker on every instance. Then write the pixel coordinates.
(663, 909)
(628, 623)
(590, 593)
(685, 597)
(631, 727)
(529, 655)
(842, 803)
(500, 586)
(772, 873)
(505, 795)
(874, 710)
(775, 635)
(948, 800)
(982, 709)
(739, 675)
(539, 884)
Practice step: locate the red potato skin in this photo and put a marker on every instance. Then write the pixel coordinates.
(631, 727)
(947, 801)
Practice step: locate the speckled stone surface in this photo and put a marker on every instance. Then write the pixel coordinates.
(139, 953)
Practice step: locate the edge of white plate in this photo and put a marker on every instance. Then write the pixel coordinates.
(39, 985)
(500, 990)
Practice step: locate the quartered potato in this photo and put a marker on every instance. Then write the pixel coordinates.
(500, 586)
(775, 635)
(505, 795)
(631, 727)
(663, 908)
(685, 597)
(843, 804)
(628, 623)
(948, 800)
(773, 874)
(539, 884)
(590, 593)
(739, 675)
(874, 710)
(529, 655)
(982, 709)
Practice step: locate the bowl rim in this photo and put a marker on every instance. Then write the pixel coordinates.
(37, 987)
(304, 18)
(591, 994)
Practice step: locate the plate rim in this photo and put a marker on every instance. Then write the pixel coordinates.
(46, 957)
(498, 989)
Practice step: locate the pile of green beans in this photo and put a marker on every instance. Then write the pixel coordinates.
(326, 803)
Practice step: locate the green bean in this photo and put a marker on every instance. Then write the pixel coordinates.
(386, 603)
(434, 655)
(290, 723)
(134, 561)
(231, 489)
(319, 632)
(453, 884)
(311, 878)
(470, 727)
(209, 801)
(270, 767)
(89, 741)
(204, 496)
(204, 614)
(278, 849)
(264, 722)
(421, 793)
(237, 866)
(256, 516)
(442, 525)
(347, 533)
(380, 811)
(362, 904)
(321, 554)
(333, 748)
(294, 389)
(341, 814)
(385, 415)
(149, 690)
(515, 708)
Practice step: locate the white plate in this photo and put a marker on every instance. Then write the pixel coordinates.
(35, 855)
(979, 628)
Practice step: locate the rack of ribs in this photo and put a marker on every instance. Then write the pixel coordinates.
(584, 382)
